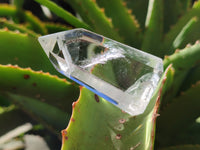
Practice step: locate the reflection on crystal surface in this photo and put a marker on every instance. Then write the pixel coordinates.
(120, 74)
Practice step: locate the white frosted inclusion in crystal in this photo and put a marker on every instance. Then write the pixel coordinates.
(122, 75)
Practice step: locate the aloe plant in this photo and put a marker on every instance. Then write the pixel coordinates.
(31, 90)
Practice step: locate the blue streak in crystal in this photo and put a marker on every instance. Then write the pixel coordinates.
(95, 91)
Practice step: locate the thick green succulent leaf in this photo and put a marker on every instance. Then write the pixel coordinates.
(178, 115)
(18, 3)
(173, 9)
(19, 10)
(43, 86)
(189, 53)
(55, 27)
(97, 124)
(190, 135)
(67, 16)
(183, 25)
(50, 116)
(35, 23)
(192, 77)
(4, 23)
(182, 62)
(127, 26)
(154, 28)
(182, 147)
(188, 34)
(23, 50)
(136, 7)
(92, 14)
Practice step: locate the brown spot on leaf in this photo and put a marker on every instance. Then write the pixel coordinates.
(26, 76)
(118, 136)
(34, 84)
(66, 137)
(122, 121)
(64, 134)
(72, 119)
(96, 98)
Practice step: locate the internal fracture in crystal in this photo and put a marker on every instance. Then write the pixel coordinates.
(120, 74)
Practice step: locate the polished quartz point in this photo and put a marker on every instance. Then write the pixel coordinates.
(120, 74)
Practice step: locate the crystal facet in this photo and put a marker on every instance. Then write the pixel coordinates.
(122, 75)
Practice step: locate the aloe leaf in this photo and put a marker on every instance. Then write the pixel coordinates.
(127, 26)
(68, 17)
(19, 10)
(16, 27)
(190, 53)
(182, 147)
(18, 3)
(188, 34)
(182, 68)
(35, 23)
(178, 27)
(43, 86)
(21, 49)
(190, 135)
(186, 4)
(154, 28)
(178, 115)
(116, 129)
(192, 77)
(172, 11)
(136, 7)
(55, 119)
(95, 17)
(55, 27)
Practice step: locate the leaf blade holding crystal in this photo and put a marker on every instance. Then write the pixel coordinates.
(116, 130)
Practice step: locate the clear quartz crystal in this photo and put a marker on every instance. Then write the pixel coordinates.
(122, 75)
